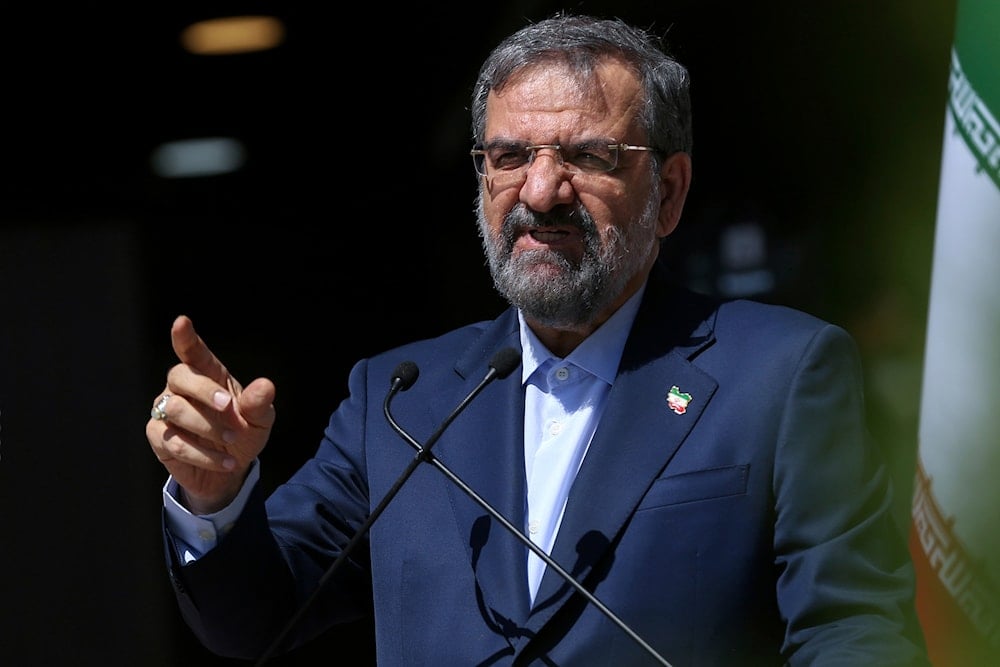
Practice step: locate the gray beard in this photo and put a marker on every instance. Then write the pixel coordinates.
(573, 294)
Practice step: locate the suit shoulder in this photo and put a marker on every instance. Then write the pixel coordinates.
(748, 311)
(467, 347)
(457, 339)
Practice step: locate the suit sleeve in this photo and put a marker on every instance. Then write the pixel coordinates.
(237, 595)
(846, 583)
(240, 596)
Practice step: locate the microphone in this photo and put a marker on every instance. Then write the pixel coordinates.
(502, 364)
(403, 377)
(501, 361)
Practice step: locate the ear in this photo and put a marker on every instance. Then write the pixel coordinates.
(675, 181)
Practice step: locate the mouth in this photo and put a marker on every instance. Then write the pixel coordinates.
(558, 239)
(564, 230)
(548, 236)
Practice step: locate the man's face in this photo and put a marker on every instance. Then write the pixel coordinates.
(569, 247)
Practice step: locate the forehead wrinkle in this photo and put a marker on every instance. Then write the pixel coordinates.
(551, 99)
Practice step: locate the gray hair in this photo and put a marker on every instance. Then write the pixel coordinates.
(581, 42)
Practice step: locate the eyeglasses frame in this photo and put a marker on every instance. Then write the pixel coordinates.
(534, 148)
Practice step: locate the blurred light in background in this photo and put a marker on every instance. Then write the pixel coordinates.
(233, 34)
(212, 156)
(743, 261)
(190, 158)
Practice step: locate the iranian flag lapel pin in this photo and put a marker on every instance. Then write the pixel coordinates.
(678, 400)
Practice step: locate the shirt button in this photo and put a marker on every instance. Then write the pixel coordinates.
(205, 534)
(533, 527)
(555, 428)
(562, 374)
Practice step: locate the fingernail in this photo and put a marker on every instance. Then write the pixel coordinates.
(221, 399)
(228, 463)
(229, 437)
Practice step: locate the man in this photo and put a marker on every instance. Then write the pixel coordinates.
(665, 480)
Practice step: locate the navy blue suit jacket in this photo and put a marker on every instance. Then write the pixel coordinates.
(752, 528)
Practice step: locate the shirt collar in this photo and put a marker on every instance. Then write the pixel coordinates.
(599, 353)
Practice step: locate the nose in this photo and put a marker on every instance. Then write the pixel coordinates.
(547, 184)
(550, 150)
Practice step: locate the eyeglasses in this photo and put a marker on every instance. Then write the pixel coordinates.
(510, 160)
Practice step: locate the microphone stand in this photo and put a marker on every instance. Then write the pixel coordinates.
(424, 455)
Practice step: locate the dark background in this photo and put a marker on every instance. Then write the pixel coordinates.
(351, 229)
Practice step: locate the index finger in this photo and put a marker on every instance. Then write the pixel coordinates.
(192, 350)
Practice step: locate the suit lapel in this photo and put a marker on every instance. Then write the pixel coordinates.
(624, 458)
(485, 451)
(637, 436)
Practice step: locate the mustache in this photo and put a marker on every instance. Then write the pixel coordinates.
(522, 218)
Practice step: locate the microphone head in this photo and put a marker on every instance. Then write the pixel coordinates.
(505, 361)
(405, 375)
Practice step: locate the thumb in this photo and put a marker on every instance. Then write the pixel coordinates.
(256, 403)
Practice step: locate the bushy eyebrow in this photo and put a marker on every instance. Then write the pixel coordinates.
(503, 142)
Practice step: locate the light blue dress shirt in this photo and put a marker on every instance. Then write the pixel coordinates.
(564, 399)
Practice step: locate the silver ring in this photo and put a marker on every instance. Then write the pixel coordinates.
(159, 411)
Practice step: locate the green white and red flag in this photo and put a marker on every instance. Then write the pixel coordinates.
(955, 531)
